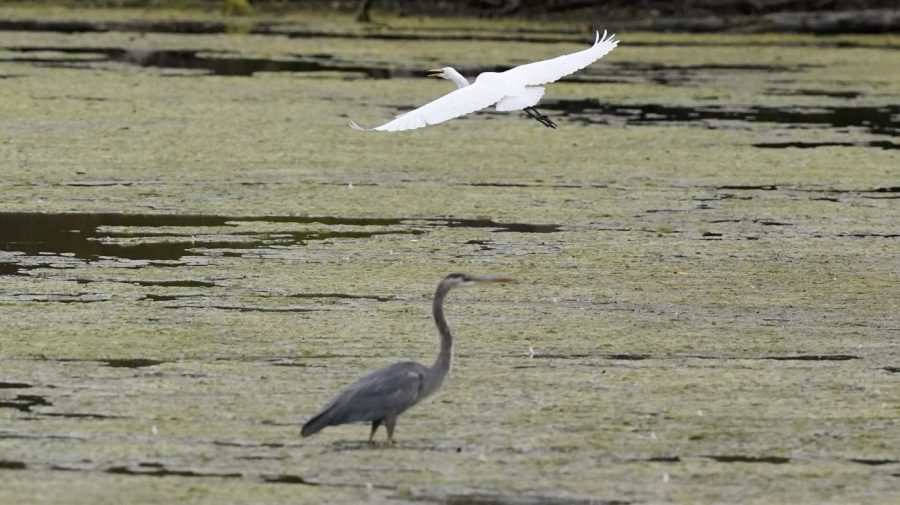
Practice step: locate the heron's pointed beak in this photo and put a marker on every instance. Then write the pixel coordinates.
(436, 72)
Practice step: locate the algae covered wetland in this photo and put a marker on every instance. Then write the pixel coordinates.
(196, 253)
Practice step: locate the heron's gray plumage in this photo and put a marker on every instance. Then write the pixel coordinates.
(384, 394)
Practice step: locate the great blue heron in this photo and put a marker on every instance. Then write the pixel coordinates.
(384, 394)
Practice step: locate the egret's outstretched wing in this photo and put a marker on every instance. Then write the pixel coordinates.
(542, 72)
(457, 103)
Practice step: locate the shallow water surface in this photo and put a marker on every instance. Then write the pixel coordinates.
(196, 253)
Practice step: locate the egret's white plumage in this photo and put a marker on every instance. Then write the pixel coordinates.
(515, 89)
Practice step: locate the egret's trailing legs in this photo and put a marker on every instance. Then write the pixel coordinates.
(541, 118)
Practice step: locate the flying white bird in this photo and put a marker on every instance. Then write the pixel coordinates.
(515, 89)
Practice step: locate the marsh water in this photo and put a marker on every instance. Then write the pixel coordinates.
(196, 253)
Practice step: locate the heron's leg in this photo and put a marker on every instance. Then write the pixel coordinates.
(375, 424)
(389, 423)
(542, 118)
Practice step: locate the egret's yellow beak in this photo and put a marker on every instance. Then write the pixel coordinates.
(436, 72)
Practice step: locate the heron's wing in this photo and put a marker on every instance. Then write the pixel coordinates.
(542, 72)
(454, 104)
(383, 393)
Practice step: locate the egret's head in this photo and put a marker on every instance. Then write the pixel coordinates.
(439, 72)
(458, 279)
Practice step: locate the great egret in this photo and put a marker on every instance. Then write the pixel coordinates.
(384, 394)
(515, 89)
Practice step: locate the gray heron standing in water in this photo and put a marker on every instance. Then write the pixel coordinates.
(384, 394)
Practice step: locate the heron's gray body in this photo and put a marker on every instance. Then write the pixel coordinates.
(384, 394)
(379, 396)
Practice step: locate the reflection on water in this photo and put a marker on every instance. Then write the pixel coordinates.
(879, 120)
(88, 236)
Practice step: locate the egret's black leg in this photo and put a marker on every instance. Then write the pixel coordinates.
(389, 423)
(375, 424)
(542, 118)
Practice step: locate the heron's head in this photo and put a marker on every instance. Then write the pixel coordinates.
(459, 279)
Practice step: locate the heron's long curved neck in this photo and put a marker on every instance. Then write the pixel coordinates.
(442, 363)
(455, 77)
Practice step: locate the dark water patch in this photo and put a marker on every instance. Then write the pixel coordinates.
(24, 403)
(78, 26)
(244, 308)
(287, 479)
(276, 29)
(881, 144)
(769, 222)
(892, 369)
(878, 120)
(342, 296)
(131, 362)
(738, 458)
(9, 268)
(677, 75)
(263, 457)
(86, 236)
(868, 235)
(41, 436)
(813, 92)
(813, 357)
(174, 284)
(498, 184)
(748, 187)
(60, 297)
(232, 65)
(664, 459)
(703, 24)
(875, 461)
(158, 470)
(12, 465)
(79, 415)
(530, 185)
(165, 298)
(628, 357)
(237, 443)
(15, 385)
(210, 62)
(499, 227)
(615, 357)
